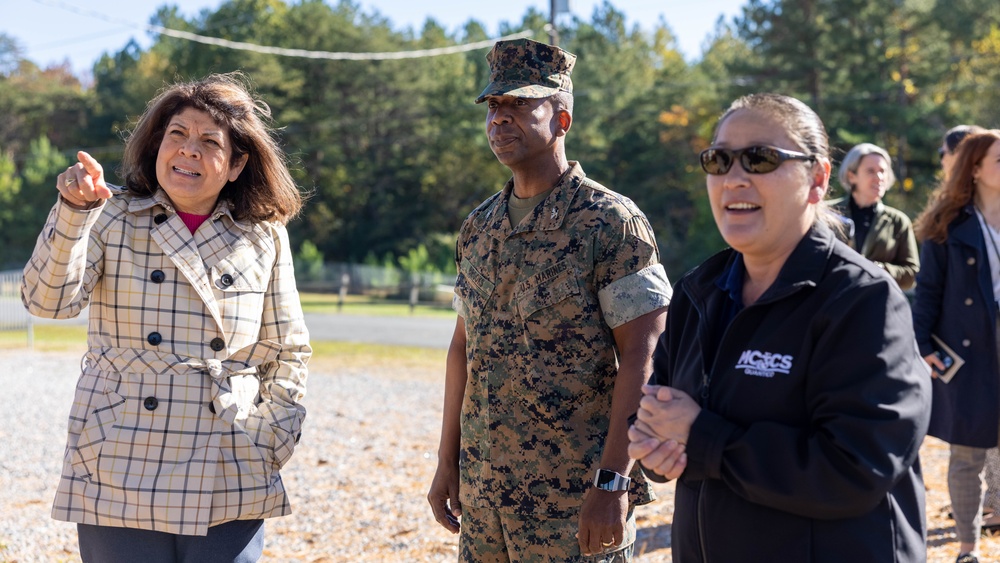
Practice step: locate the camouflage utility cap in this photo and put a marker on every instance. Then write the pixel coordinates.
(528, 69)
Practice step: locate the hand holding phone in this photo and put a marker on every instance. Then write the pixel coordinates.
(946, 360)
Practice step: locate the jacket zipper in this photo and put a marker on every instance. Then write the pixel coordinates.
(705, 377)
(706, 380)
(704, 392)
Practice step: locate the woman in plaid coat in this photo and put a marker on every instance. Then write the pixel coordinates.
(188, 402)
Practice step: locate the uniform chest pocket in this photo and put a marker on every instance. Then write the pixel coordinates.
(547, 289)
(473, 289)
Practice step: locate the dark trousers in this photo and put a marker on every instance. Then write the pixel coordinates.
(239, 541)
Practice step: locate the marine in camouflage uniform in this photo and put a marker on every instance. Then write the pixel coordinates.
(551, 345)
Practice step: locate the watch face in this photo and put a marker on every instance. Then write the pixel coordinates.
(605, 479)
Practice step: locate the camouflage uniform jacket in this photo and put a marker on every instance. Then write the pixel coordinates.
(188, 402)
(540, 302)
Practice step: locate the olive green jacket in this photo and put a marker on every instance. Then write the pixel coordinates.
(890, 242)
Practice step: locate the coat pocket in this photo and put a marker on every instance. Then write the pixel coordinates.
(96, 431)
(274, 444)
(242, 272)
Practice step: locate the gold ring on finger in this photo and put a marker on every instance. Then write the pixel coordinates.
(607, 544)
(69, 182)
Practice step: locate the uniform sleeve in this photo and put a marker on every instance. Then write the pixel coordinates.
(456, 301)
(868, 397)
(66, 264)
(630, 279)
(283, 380)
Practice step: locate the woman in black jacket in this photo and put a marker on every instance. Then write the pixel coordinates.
(956, 301)
(788, 398)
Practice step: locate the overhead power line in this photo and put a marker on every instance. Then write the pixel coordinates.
(335, 56)
(281, 51)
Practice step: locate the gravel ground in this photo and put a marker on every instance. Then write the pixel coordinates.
(357, 480)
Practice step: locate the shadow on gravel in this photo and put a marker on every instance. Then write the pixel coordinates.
(652, 538)
(940, 536)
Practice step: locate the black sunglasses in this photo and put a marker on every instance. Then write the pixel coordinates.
(941, 152)
(755, 160)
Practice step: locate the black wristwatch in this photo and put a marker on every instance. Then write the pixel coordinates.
(610, 481)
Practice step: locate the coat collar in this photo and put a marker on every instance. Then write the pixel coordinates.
(804, 267)
(223, 208)
(966, 230)
(879, 206)
(547, 216)
(182, 249)
(843, 205)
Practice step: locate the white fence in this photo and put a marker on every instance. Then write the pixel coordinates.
(13, 315)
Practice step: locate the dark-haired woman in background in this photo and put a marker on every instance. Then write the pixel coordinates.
(950, 142)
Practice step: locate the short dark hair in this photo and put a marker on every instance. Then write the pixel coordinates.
(955, 135)
(562, 101)
(799, 120)
(264, 191)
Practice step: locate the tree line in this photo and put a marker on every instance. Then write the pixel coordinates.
(393, 154)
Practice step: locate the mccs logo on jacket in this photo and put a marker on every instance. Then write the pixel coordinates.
(763, 364)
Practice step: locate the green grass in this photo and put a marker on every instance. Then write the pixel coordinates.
(404, 361)
(48, 338)
(363, 305)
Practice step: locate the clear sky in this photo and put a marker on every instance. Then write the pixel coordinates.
(52, 31)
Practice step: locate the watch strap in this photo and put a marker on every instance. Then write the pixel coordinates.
(610, 481)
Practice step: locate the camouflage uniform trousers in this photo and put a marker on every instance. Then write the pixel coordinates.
(489, 536)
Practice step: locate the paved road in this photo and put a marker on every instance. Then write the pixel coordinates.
(407, 331)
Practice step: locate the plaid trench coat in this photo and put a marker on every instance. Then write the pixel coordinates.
(188, 401)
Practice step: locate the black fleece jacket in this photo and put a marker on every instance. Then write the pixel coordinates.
(813, 411)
